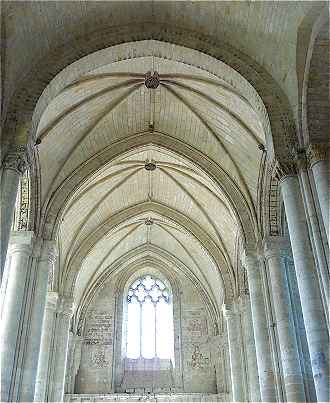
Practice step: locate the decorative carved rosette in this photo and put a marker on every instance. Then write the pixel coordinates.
(152, 80)
(317, 152)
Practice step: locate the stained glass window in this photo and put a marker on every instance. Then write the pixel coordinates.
(150, 319)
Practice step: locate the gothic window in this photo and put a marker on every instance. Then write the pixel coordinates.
(149, 319)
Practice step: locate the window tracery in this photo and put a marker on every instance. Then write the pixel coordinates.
(149, 320)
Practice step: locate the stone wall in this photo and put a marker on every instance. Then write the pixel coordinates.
(201, 358)
(95, 371)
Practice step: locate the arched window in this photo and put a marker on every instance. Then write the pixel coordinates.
(149, 320)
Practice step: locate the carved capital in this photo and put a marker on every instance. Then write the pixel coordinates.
(65, 307)
(48, 251)
(16, 160)
(317, 152)
(285, 169)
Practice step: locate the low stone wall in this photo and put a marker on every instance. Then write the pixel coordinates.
(124, 397)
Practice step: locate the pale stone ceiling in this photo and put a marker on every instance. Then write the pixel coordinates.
(100, 102)
(208, 107)
(264, 30)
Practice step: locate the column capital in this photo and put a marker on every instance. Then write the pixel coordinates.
(317, 152)
(16, 159)
(285, 169)
(48, 251)
(65, 306)
(275, 246)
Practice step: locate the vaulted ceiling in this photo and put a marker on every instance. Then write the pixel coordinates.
(100, 103)
(266, 31)
(129, 172)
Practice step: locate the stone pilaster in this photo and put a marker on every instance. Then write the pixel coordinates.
(73, 363)
(275, 250)
(260, 327)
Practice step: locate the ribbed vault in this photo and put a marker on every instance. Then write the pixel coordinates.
(171, 170)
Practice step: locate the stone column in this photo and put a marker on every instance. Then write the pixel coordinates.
(275, 249)
(46, 348)
(234, 343)
(13, 166)
(311, 303)
(21, 245)
(321, 253)
(45, 264)
(318, 156)
(57, 382)
(260, 329)
(250, 350)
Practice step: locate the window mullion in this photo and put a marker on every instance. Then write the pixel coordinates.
(155, 322)
(141, 329)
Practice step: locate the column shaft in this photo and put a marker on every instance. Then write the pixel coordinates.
(14, 308)
(318, 157)
(234, 354)
(312, 307)
(250, 350)
(46, 349)
(320, 252)
(321, 177)
(30, 367)
(260, 328)
(292, 375)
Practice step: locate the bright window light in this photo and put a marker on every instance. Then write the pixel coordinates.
(150, 320)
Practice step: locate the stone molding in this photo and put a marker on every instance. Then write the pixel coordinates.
(22, 214)
(276, 246)
(16, 160)
(317, 152)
